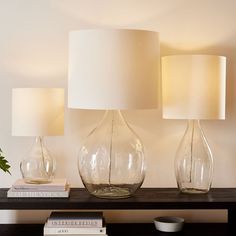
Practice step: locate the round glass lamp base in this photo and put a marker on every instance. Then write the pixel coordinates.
(112, 191)
(111, 159)
(38, 166)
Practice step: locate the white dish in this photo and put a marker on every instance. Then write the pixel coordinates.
(169, 223)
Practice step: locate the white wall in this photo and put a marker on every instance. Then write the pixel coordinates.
(33, 53)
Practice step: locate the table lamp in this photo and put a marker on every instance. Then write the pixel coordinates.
(112, 70)
(37, 112)
(193, 88)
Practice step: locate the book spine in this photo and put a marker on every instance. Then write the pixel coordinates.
(61, 194)
(75, 234)
(65, 230)
(82, 223)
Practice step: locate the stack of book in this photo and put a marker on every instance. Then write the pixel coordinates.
(75, 223)
(58, 188)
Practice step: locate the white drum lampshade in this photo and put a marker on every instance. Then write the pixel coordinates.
(113, 69)
(37, 111)
(193, 86)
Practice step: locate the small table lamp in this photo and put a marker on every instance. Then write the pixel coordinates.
(37, 112)
(112, 70)
(193, 88)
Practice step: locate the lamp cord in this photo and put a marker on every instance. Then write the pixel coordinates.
(191, 151)
(111, 147)
(41, 146)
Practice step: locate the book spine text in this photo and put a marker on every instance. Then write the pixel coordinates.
(83, 223)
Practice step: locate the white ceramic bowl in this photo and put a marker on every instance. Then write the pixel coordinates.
(169, 223)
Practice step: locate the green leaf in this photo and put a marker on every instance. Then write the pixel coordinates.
(4, 164)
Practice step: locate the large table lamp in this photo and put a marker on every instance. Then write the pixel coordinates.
(112, 70)
(37, 112)
(193, 88)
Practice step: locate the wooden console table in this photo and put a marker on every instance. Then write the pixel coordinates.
(144, 199)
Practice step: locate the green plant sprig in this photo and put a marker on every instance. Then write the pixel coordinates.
(4, 164)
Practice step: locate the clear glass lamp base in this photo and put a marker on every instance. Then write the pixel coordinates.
(194, 162)
(111, 160)
(38, 166)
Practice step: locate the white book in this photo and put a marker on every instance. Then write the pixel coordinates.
(13, 193)
(55, 184)
(73, 231)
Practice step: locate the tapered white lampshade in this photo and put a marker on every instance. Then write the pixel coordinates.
(37, 111)
(113, 69)
(193, 86)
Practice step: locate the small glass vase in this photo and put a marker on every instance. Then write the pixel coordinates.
(111, 160)
(37, 166)
(194, 162)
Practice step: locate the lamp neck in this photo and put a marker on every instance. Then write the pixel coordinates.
(194, 122)
(38, 139)
(114, 118)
